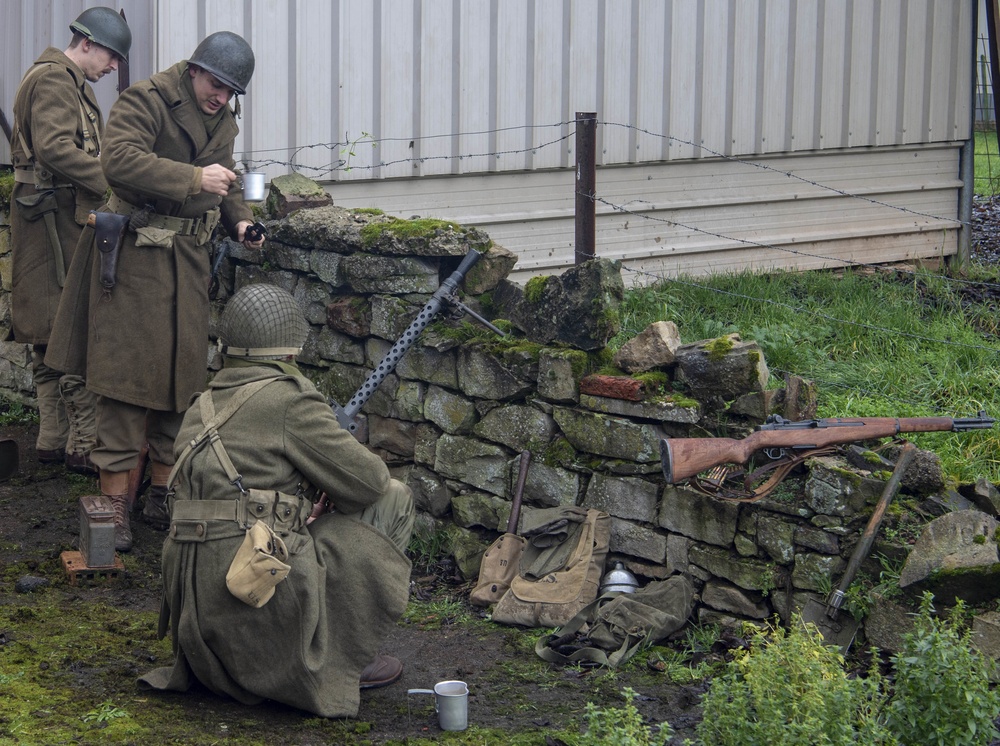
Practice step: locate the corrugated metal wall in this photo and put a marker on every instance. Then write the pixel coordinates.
(29, 26)
(369, 93)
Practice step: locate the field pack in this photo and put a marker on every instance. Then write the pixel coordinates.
(559, 570)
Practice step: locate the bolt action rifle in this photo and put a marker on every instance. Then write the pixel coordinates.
(445, 295)
(787, 444)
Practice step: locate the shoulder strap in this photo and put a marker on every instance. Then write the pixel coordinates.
(91, 137)
(546, 645)
(210, 432)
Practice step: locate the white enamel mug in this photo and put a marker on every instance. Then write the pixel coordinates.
(451, 703)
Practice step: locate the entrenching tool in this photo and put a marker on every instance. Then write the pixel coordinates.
(500, 562)
(840, 629)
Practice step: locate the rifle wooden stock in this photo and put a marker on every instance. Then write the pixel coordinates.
(683, 458)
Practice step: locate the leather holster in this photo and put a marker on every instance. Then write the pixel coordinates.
(109, 230)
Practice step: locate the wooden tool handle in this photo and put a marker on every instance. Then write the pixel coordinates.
(515, 507)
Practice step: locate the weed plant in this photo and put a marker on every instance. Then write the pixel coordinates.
(942, 692)
(876, 343)
(622, 726)
(789, 688)
(15, 413)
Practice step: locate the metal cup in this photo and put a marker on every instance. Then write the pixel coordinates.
(451, 703)
(253, 186)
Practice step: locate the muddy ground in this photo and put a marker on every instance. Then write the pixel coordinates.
(511, 690)
(74, 651)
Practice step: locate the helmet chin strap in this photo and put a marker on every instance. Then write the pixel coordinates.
(246, 352)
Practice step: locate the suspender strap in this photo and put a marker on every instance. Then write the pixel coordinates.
(213, 422)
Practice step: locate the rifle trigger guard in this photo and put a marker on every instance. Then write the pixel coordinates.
(776, 452)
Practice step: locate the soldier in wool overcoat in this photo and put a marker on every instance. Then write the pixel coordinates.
(55, 145)
(142, 344)
(313, 644)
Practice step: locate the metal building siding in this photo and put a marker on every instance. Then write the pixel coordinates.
(489, 80)
(477, 97)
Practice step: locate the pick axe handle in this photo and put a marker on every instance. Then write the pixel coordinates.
(515, 507)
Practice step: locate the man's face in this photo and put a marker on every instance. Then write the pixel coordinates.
(210, 94)
(97, 61)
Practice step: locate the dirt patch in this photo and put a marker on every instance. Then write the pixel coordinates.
(88, 668)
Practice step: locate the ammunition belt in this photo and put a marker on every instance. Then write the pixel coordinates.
(26, 175)
(180, 226)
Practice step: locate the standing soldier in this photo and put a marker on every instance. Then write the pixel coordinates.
(58, 180)
(135, 313)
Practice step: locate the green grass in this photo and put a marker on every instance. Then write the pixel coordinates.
(877, 344)
(987, 164)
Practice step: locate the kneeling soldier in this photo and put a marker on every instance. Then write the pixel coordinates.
(263, 603)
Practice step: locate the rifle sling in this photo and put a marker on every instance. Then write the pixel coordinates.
(749, 494)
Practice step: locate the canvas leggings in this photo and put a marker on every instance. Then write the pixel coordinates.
(53, 424)
(123, 429)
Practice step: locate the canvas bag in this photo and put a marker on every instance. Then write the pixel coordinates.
(615, 626)
(497, 569)
(560, 569)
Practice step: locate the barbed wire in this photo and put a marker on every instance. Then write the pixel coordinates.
(568, 130)
(783, 172)
(343, 164)
(761, 245)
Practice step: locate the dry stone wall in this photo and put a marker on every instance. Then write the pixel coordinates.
(462, 404)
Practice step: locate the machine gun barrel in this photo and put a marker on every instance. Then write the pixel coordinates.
(445, 294)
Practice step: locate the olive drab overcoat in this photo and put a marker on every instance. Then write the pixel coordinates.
(146, 341)
(348, 582)
(51, 109)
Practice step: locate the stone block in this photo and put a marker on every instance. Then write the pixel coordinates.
(698, 517)
(622, 497)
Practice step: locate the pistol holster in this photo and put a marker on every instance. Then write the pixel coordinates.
(109, 229)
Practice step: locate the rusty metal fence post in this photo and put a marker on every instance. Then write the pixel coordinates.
(586, 184)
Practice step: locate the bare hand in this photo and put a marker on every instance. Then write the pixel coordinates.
(217, 179)
(241, 232)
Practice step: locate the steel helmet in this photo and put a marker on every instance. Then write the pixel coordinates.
(228, 57)
(105, 27)
(263, 322)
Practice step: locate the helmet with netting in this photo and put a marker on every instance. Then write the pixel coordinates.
(228, 57)
(262, 322)
(105, 27)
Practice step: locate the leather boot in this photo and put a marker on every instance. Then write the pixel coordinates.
(53, 426)
(80, 407)
(155, 511)
(114, 485)
(382, 671)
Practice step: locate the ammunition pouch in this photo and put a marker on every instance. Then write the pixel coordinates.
(109, 228)
(260, 564)
(35, 206)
